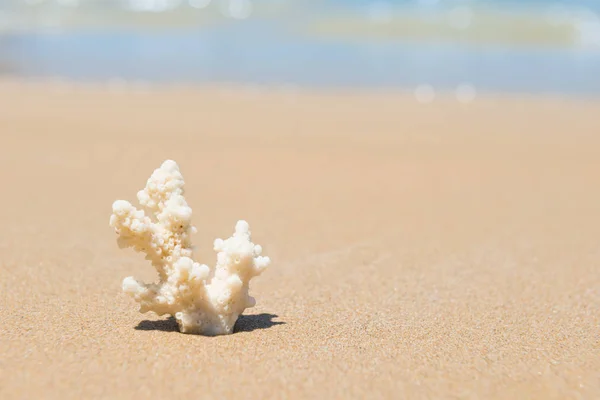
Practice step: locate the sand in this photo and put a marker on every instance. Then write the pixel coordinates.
(432, 250)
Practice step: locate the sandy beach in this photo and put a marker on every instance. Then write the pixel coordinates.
(439, 250)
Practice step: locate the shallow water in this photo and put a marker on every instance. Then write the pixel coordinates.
(536, 47)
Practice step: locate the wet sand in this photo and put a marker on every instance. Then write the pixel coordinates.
(432, 250)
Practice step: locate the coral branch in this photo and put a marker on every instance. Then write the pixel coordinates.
(202, 301)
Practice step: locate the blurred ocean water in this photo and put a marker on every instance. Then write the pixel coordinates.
(534, 46)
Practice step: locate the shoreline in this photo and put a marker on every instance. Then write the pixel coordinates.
(444, 94)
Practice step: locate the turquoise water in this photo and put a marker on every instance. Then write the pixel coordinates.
(508, 46)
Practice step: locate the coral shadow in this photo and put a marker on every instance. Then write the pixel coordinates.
(165, 325)
(245, 323)
(248, 323)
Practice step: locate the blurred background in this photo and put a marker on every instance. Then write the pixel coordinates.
(526, 46)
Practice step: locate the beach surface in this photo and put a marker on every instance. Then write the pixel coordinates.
(439, 250)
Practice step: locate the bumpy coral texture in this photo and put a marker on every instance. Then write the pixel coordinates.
(202, 300)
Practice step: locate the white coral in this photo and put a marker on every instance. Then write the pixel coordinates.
(202, 301)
